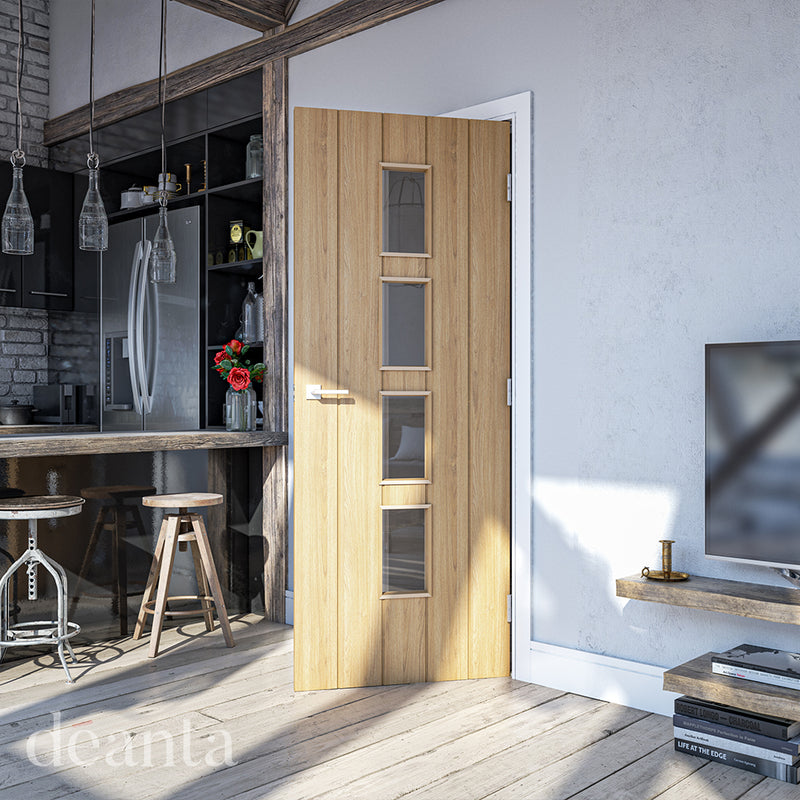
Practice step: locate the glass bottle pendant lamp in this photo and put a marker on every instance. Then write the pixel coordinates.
(17, 219)
(17, 225)
(163, 260)
(92, 222)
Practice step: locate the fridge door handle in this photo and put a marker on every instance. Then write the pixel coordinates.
(132, 332)
(146, 328)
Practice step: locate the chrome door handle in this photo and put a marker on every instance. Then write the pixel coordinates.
(47, 294)
(314, 391)
(132, 288)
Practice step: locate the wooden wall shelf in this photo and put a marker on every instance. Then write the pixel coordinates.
(754, 600)
(695, 678)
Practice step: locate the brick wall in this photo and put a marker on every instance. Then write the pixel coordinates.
(36, 346)
(45, 347)
(35, 78)
(23, 353)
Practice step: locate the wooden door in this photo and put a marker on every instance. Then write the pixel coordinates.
(401, 422)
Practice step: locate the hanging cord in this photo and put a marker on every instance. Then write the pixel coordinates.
(162, 98)
(18, 156)
(92, 160)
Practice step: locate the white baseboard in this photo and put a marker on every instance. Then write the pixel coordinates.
(616, 680)
(289, 607)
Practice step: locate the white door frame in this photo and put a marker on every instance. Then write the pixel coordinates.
(518, 109)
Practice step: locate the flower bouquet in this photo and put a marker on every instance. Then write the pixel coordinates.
(241, 404)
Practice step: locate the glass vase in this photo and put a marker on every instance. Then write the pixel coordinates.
(240, 409)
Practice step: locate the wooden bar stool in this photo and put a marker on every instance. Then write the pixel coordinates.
(117, 517)
(179, 529)
(60, 630)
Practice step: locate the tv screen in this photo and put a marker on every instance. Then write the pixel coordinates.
(753, 452)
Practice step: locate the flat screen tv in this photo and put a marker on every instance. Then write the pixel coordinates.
(753, 453)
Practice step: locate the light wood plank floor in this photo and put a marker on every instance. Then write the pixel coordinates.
(202, 722)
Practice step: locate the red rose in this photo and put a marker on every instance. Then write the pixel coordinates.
(239, 378)
(221, 356)
(236, 346)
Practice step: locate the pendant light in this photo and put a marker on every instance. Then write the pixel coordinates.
(92, 222)
(163, 259)
(17, 227)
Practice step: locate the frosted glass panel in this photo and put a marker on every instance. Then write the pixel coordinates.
(403, 550)
(403, 437)
(403, 211)
(404, 325)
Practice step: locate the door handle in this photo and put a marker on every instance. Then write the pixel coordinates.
(132, 365)
(45, 294)
(314, 391)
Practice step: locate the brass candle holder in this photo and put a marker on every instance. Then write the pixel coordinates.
(665, 573)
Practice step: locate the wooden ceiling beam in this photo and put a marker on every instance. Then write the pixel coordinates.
(337, 22)
(258, 14)
(291, 7)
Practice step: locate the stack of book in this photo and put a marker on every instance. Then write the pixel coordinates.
(762, 744)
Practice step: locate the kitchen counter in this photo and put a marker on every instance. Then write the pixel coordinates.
(14, 445)
(41, 427)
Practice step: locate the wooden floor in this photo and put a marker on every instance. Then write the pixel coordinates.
(201, 722)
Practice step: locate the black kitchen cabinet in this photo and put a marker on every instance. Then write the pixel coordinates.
(44, 279)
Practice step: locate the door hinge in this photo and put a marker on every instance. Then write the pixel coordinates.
(508, 608)
(509, 185)
(508, 392)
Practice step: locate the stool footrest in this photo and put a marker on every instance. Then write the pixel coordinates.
(149, 606)
(37, 632)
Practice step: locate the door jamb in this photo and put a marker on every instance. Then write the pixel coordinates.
(518, 109)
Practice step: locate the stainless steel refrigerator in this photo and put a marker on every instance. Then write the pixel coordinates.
(150, 333)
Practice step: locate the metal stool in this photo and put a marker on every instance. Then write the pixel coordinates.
(116, 517)
(180, 529)
(25, 634)
(5, 493)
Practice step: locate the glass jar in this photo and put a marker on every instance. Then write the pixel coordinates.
(241, 408)
(255, 156)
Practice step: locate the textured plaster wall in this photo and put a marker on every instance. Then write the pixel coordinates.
(665, 216)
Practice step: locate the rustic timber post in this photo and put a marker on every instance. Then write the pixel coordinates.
(275, 505)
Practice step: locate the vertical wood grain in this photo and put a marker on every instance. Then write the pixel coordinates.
(448, 142)
(489, 415)
(359, 147)
(275, 475)
(404, 640)
(315, 436)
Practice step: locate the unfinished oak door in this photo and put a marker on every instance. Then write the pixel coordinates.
(401, 422)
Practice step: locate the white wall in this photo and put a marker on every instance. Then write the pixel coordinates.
(126, 45)
(665, 216)
(666, 162)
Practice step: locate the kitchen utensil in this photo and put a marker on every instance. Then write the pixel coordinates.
(15, 414)
(131, 198)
